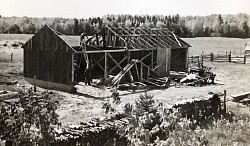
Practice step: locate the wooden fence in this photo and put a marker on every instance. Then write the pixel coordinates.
(226, 57)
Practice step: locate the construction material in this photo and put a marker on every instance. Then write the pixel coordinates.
(5, 95)
(118, 77)
(239, 97)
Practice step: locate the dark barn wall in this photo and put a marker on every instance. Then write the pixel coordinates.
(179, 59)
(48, 57)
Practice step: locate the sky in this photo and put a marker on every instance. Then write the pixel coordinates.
(98, 8)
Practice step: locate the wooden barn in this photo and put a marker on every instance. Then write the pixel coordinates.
(54, 60)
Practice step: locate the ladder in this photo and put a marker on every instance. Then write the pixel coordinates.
(119, 76)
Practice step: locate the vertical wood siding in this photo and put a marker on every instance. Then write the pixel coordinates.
(48, 57)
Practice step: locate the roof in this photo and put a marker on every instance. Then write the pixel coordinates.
(137, 38)
(73, 41)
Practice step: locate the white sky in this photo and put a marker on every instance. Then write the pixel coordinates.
(94, 8)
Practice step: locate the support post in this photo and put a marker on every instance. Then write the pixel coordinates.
(128, 55)
(229, 57)
(97, 40)
(137, 72)
(187, 59)
(152, 59)
(141, 72)
(225, 96)
(106, 66)
(73, 70)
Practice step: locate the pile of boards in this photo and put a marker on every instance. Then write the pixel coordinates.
(243, 98)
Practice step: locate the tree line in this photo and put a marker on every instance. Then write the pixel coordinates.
(189, 26)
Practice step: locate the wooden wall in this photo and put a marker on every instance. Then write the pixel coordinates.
(163, 59)
(48, 57)
(179, 59)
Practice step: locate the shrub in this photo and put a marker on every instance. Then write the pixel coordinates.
(28, 121)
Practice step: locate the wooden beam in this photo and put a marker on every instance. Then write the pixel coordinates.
(128, 56)
(97, 40)
(137, 72)
(106, 66)
(73, 68)
(152, 83)
(96, 62)
(152, 59)
(141, 72)
(112, 58)
(108, 38)
(103, 38)
(145, 56)
(187, 60)
(110, 51)
(117, 64)
(114, 42)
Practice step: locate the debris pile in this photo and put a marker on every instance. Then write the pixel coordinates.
(243, 98)
(199, 77)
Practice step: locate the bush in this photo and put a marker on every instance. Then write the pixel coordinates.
(28, 121)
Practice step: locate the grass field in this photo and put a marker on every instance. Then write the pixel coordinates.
(205, 44)
(216, 45)
(20, 37)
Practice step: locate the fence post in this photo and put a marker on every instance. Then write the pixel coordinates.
(245, 59)
(11, 56)
(211, 57)
(225, 107)
(229, 57)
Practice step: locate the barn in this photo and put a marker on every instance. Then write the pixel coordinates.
(53, 60)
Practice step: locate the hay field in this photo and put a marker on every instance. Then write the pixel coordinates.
(11, 37)
(216, 45)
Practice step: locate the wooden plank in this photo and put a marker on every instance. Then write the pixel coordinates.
(152, 83)
(108, 38)
(97, 40)
(73, 69)
(238, 97)
(97, 62)
(112, 58)
(117, 65)
(141, 71)
(145, 56)
(137, 72)
(157, 80)
(106, 66)
(111, 51)
(152, 59)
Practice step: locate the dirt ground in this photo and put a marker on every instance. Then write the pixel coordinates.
(73, 109)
